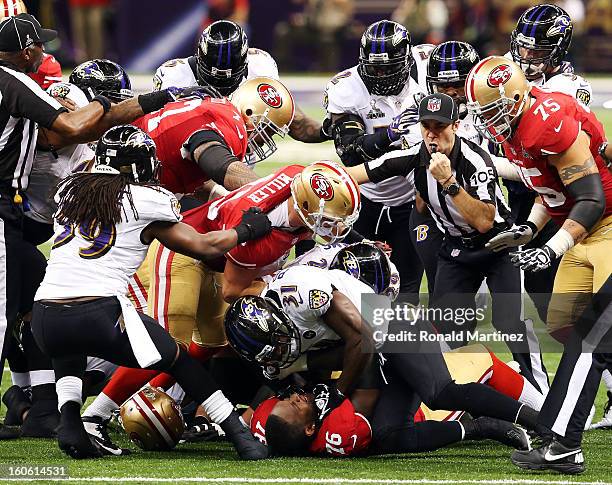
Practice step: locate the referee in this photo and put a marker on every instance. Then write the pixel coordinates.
(457, 180)
(24, 107)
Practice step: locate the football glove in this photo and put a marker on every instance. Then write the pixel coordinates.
(326, 398)
(533, 259)
(515, 236)
(254, 224)
(402, 122)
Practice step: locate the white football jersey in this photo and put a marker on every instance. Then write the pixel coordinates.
(180, 73)
(346, 93)
(100, 262)
(306, 294)
(571, 84)
(50, 168)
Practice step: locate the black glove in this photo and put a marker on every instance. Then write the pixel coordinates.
(400, 125)
(254, 224)
(326, 129)
(326, 398)
(533, 260)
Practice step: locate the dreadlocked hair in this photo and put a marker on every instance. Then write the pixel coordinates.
(89, 197)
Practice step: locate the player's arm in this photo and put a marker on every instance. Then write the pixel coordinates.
(209, 150)
(238, 281)
(305, 129)
(396, 164)
(90, 122)
(353, 145)
(184, 239)
(344, 319)
(579, 173)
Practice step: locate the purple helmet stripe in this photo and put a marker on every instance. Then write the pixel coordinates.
(382, 37)
(453, 59)
(538, 18)
(529, 17)
(374, 38)
(229, 50)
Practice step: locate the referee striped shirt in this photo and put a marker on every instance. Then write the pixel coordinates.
(23, 107)
(473, 170)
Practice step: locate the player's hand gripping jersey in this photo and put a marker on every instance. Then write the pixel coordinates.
(175, 123)
(343, 432)
(550, 126)
(269, 194)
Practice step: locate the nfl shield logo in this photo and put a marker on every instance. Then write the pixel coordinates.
(434, 104)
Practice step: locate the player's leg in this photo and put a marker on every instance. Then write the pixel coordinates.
(504, 281)
(573, 390)
(427, 239)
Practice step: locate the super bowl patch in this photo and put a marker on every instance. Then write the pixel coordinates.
(317, 299)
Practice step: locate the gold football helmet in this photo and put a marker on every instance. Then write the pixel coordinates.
(267, 108)
(152, 420)
(497, 92)
(327, 199)
(10, 8)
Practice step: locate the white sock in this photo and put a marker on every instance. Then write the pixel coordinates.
(21, 379)
(607, 378)
(69, 388)
(531, 396)
(41, 377)
(101, 407)
(218, 407)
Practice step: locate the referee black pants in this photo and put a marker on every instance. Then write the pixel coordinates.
(427, 240)
(460, 273)
(379, 222)
(576, 382)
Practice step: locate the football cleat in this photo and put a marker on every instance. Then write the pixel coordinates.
(8, 432)
(606, 420)
(552, 456)
(71, 435)
(42, 420)
(16, 402)
(202, 430)
(96, 428)
(503, 432)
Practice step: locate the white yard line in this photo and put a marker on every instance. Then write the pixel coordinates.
(314, 481)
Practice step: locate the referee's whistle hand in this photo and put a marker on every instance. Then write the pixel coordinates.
(440, 167)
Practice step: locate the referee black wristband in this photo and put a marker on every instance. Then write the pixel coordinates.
(104, 101)
(153, 101)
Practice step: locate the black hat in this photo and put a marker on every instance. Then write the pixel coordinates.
(21, 31)
(439, 107)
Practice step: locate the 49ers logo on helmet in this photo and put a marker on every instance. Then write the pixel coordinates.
(269, 95)
(500, 75)
(322, 187)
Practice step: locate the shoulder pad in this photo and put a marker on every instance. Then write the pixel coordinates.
(346, 93)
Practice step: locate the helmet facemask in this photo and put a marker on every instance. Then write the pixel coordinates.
(260, 131)
(384, 78)
(544, 60)
(494, 120)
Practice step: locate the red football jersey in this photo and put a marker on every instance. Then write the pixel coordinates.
(343, 432)
(225, 212)
(171, 127)
(48, 73)
(550, 126)
(260, 418)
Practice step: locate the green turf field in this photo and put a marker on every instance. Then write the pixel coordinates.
(483, 462)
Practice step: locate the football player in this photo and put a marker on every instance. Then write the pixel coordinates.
(102, 77)
(320, 199)
(368, 106)
(556, 142)
(129, 211)
(224, 60)
(303, 316)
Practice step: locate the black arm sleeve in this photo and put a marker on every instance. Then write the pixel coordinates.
(353, 145)
(215, 159)
(400, 165)
(590, 200)
(25, 99)
(353, 237)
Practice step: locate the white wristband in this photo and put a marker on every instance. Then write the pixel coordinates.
(217, 191)
(561, 242)
(539, 216)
